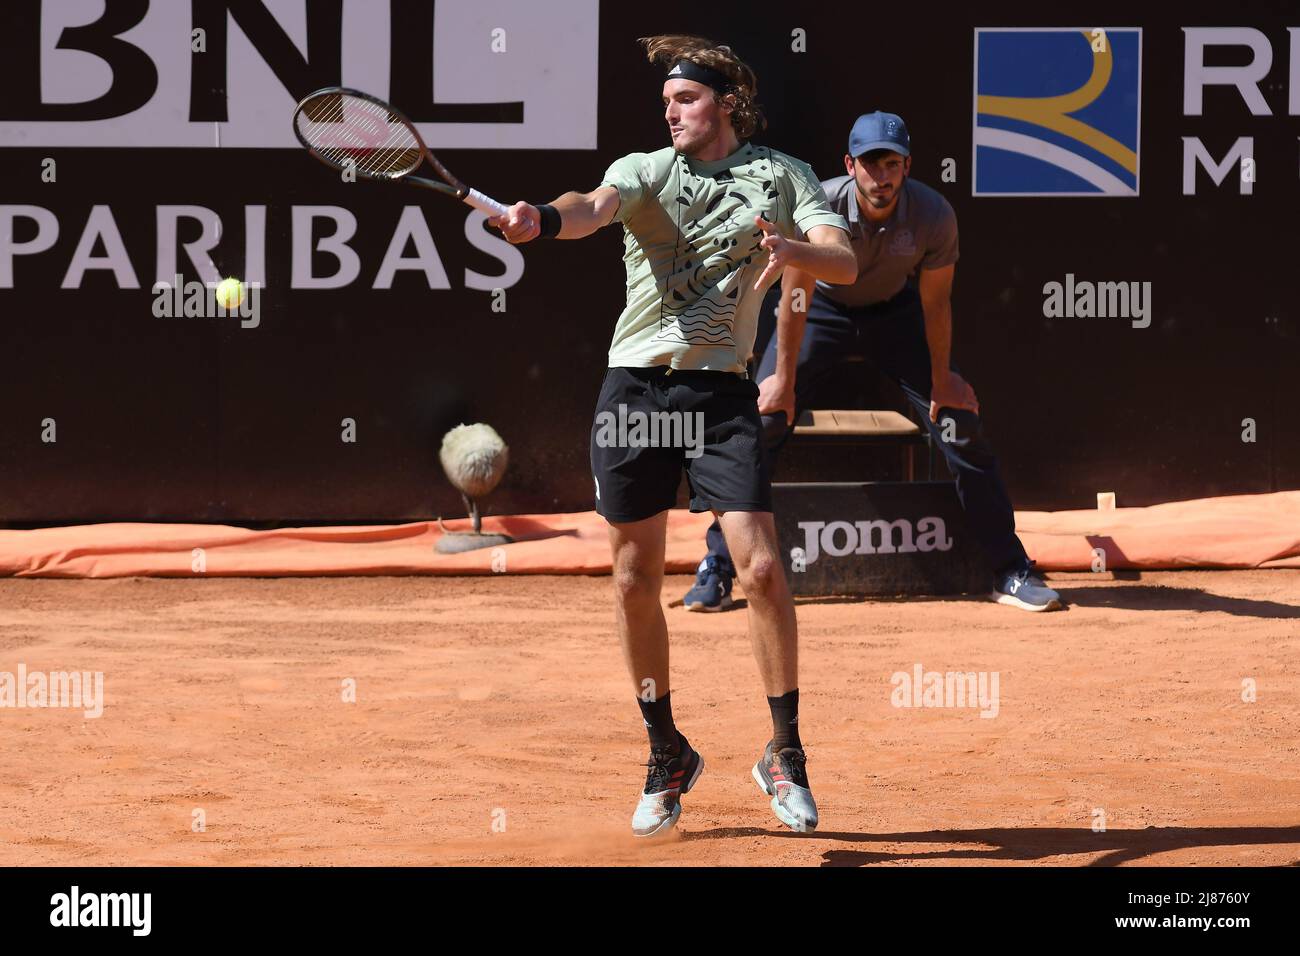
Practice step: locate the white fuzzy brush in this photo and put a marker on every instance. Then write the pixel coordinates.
(474, 458)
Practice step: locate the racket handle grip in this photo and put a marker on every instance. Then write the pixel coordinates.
(485, 203)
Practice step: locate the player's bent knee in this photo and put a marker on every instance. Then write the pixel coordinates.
(775, 428)
(634, 584)
(761, 573)
(960, 428)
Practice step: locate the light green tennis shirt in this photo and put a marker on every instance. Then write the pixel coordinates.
(692, 251)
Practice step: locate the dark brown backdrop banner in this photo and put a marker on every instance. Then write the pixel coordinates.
(201, 420)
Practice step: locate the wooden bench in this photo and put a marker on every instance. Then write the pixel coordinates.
(835, 426)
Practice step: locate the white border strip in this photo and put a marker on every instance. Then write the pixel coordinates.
(1103, 179)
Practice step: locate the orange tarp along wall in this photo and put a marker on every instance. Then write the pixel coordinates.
(1244, 531)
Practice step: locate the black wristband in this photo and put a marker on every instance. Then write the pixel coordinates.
(551, 221)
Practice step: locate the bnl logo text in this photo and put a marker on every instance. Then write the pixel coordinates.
(1058, 110)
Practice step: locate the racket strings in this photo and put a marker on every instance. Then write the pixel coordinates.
(346, 130)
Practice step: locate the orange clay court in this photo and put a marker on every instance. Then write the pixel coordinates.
(504, 700)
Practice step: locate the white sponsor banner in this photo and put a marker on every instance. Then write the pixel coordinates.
(542, 55)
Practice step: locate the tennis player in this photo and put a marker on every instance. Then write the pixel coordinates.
(707, 223)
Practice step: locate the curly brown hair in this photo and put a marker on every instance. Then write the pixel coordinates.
(746, 115)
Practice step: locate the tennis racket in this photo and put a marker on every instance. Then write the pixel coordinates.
(352, 131)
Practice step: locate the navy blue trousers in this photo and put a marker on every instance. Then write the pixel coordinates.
(891, 336)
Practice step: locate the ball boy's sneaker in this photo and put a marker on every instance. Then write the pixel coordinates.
(1024, 589)
(712, 589)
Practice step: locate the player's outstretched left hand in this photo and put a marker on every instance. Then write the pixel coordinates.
(521, 223)
(778, 249)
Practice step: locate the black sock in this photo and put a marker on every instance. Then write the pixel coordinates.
(658, 717)
(785, 720)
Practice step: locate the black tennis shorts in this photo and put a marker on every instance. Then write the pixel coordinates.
(653, 423)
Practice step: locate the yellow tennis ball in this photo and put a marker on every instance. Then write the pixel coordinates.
(230, 292)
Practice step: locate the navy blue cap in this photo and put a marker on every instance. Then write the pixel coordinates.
(879, 131)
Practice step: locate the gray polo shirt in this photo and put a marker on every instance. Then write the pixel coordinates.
(921, 234)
